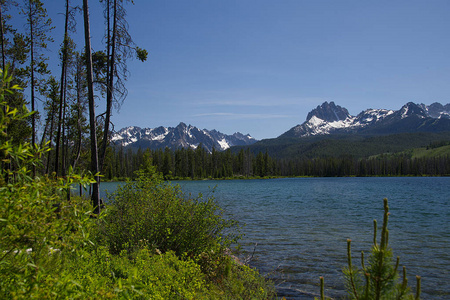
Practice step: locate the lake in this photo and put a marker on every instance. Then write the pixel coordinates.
(298, 227)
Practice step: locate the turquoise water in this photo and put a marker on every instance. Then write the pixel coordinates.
(298, 227)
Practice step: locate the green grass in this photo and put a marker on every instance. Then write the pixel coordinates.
(431, 152)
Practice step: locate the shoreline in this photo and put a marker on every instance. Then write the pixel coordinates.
(277, 177)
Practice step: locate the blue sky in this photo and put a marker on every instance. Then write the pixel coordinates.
(259, 66)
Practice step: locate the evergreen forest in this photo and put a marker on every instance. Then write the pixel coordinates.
(121, 163)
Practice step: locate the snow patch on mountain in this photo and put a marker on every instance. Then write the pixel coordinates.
(314, 122)
(161, 136)
(223, 144)
(317, 126)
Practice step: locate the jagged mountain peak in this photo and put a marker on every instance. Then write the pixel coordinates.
(412, 109)
(329, 112)
(437, 110)
(241, 136)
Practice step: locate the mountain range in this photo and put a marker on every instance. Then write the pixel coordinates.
(330, 131)
(181, 136)
(330, 118)
(326, 121)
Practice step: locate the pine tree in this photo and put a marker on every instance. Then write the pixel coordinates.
(50, 107)
(66, 54)
(14, 52)
(378, 277)
(95, 197)
(39, 26)
(119, 48)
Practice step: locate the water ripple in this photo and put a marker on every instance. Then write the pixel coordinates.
(301, 226)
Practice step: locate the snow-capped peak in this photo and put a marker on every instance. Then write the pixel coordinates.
(181, 136)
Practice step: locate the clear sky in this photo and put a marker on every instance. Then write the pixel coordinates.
(259, 66)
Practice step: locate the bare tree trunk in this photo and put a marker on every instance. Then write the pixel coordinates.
(64, 140)
(92, 122)
(111, 51)
(79, 112)
(33, 117)
(47, 169)
(2, 35)
(5, 165)
(62, 87)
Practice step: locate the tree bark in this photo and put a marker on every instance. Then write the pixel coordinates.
(32, 62)
(47, 169)
(62, 89)
(2, 35)
(79, 112)
(111, 51)
(92, 121)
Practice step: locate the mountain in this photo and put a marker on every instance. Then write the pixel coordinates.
(330, 118)
(330, 131)
(181, 136)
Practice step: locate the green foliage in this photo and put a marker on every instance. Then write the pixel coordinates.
(144, 275)
(378, 277)
(188, 163)
(38, 233)
(153, 212)
(358, 146)
(37, 241)
(244, 282)
(433, 151)
(141, 54)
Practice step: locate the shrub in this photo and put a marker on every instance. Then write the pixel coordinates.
(151, 212)
(38, 231)
(244, 282)
(146, 274)
(143, 275)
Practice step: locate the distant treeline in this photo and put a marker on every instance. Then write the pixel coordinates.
(384, 165)
(190, 163)
(200, 164)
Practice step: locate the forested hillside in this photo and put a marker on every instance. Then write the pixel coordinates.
(434, 160)
(358, 146)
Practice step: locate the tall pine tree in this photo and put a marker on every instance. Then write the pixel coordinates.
(38, 26)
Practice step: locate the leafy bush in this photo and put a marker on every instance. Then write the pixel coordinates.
(145, 276)
(151, 212)
(38, 232)
(244, 282)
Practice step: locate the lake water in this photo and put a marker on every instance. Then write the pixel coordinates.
(298, 227)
